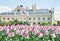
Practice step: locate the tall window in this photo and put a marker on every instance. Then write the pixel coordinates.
(48, 18)
(8, 18)
(3, 18)
(43, 18)
(34, 23)
(18, 10)
(38, 18)
(12, 18)
(29, 18)
(38, 22)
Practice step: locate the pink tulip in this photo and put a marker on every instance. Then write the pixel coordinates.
(35, 31)
(1, 28)
(11, 34)
(25, 30)
(46, 31)
(26, 35)
(16, 27)
(40, 35)
(21, 32)
(57, 27)
(57, 31)
(12, 26)
(17, 31)
(7, 30)
(52, 35)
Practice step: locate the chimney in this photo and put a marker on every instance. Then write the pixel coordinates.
(33, 7)
(21, 7)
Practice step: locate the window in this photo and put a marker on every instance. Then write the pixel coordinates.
(38, 18)
(38, 22)
(43, 18)
(18, 10)
(12, 18)
(8, 18)
(48, 18)
(34, 23)
(3, 18)
(29, 18)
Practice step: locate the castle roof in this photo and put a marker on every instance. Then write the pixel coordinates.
(24, 11)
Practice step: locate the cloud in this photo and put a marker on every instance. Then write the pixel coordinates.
(4, 9)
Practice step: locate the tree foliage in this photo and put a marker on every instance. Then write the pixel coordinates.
(14, 22)
(45, 23)
(58, 22)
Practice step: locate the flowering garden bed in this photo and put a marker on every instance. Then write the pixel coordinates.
(29, 33)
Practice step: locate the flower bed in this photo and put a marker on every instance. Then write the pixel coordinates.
(29, 33)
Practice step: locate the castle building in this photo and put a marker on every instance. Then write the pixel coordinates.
(33, 16)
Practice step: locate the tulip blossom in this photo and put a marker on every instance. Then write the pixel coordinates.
(52, 35)
(25, 30)
(7, 29)
(17, 31)
(35, 31)
(46, 32)
(26, 35)
(39, 35)
(1, 28)
(57, 31)
(21, 32)
(11, 34)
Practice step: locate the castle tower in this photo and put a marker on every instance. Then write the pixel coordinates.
(21, 7)
(33, 7)
(52, 13)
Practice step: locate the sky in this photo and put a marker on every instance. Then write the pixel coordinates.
(8, 5)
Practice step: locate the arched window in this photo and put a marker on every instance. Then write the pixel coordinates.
(44, 18)
(38, 22)
(38, 18)
(18, 10)
(8, 18)
(48, 18)
(12, 18)
(3, 18)
(34, 23)
(29, 18)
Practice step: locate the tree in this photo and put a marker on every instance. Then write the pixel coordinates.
(2, 22)
(58, 22)
(45, 23)
(16, 21)
(11, 23)
(20, 22)
(26, 22)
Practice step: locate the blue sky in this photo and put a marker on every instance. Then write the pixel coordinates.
(46, 4)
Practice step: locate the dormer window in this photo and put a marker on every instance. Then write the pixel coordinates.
(18, 10)
(21, 5)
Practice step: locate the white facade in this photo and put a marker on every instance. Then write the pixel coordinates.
(32, 16)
